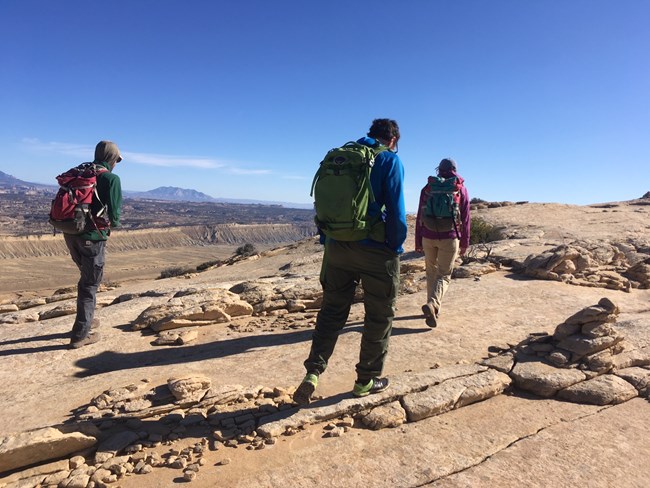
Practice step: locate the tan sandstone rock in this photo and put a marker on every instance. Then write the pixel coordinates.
(385, 416)
(189, 388)
(602, 390)
(542, 379)
(40, 445)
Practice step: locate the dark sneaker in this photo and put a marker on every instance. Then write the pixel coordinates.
(375, 385)
(89, 339)
(430, 315)
(302, 395)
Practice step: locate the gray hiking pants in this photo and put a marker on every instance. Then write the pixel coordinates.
(89, 258)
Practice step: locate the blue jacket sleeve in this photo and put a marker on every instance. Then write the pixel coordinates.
(396, 227)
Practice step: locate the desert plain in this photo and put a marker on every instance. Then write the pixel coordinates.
(240, 362)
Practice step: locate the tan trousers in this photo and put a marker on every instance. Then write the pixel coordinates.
(440, 256)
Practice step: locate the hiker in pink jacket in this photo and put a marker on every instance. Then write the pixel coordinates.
(441, 238)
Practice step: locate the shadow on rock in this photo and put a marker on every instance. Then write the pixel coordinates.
(31, 350)
(114, 361)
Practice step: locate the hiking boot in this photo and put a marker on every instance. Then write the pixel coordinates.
(430, 315)
(89, 339)
(94, 324)
(375, 385)
(302, 395)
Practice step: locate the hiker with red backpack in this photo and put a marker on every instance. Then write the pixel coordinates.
(442, 232)
(87, 205)
(359, 202)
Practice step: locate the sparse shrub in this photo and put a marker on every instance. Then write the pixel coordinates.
(175, 271)
(247, 249)
(482, 232)
(477, 200)
(207, 264)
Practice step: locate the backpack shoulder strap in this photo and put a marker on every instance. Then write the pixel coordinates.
(98, 168)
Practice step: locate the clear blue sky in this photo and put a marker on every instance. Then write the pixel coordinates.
(545, 101)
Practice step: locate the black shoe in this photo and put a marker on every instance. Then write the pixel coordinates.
(89, 339)
(430, 315)
(375, 385)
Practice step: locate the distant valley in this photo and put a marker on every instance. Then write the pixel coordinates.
(157, 232)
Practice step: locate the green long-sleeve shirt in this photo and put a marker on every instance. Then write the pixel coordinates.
(109, 189)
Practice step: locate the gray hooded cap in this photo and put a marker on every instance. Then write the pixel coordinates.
(108, 152)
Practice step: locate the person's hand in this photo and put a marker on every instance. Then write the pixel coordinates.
(419, 249)
(463, 251)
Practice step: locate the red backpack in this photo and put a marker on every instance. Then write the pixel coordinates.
(70, 212)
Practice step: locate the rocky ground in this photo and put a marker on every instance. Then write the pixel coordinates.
(537, 374)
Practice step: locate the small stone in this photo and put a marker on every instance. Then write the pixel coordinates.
(179, 463)
(290, 431)
(76, 462)
(335, 432)
(101, 475)
(189, 475)
(79, 481)
(133, 449)
(56, 478)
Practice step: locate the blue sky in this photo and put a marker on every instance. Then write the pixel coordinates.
(545, 101)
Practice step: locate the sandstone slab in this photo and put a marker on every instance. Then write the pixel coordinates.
(542, 379)
(40, 445)
(41, 472)
(583, 345)
(637, 377)
(60, 311)
(385, 416)
(454, 393)
(276, 424)
(602, 390)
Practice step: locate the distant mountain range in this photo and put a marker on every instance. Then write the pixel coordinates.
(167, 193)
(8, 182)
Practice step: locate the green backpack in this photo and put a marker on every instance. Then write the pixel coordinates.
(342, 193)
(441, 211)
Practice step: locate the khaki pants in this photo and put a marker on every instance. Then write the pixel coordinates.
(440, 256)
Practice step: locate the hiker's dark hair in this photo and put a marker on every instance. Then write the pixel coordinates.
(384, 129)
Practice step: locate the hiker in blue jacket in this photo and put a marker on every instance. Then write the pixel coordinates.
(373, 262)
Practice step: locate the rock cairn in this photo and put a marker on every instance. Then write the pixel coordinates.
(585, 360)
